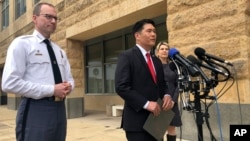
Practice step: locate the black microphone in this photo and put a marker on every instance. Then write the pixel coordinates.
(174, 54)
(203, 75)
(199, 63)
(201, 54)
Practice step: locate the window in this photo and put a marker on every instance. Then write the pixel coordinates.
(102, 54)
(94, 68)
(20, 6)
(5, 14)
(112, 48)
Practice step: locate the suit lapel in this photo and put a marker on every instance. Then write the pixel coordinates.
(144, 63)
(141, 57)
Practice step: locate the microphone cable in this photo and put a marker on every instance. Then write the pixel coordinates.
(237, 87)
(218, 112)
(220, 93)
(214, 64)
(238, 94)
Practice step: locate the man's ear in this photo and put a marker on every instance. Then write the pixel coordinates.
(34, 17)
(137, 34)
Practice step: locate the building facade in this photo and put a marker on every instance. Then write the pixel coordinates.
(94, 32)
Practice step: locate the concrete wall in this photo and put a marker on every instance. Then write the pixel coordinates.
(220, 117)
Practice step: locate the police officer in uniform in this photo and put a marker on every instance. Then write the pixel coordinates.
(29, 73)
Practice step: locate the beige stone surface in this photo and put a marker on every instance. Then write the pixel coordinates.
(221, 28)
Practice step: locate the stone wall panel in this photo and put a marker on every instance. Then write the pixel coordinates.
(196, 15)
(221, 27)
(207, 32)
(175, 6)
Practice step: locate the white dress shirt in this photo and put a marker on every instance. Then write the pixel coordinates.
(28, 71)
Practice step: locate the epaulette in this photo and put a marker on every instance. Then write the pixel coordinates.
(26, 36)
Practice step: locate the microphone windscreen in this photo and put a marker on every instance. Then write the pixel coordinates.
(172, 52)
(199, 52)
(193, 60)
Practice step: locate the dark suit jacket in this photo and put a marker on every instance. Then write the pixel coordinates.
(133, 82)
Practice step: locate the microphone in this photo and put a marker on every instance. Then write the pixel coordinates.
(203, 75)
(201, 54)
(199, 63)
(174, 54)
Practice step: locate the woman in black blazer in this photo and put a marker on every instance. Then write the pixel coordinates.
(135, 84)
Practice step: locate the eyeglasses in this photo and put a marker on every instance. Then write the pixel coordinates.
(50, 17)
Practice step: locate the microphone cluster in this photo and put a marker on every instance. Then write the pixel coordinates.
(191, 66)
(201, 84)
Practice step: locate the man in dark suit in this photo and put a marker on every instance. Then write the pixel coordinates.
(140, 88)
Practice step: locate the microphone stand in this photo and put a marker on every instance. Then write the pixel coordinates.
(195, 89)
(198, 86)
(197, 108)
(185, 84)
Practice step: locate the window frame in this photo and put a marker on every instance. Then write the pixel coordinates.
(5, 14)
(20, 8)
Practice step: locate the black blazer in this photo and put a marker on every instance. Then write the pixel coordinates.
(133, 82)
